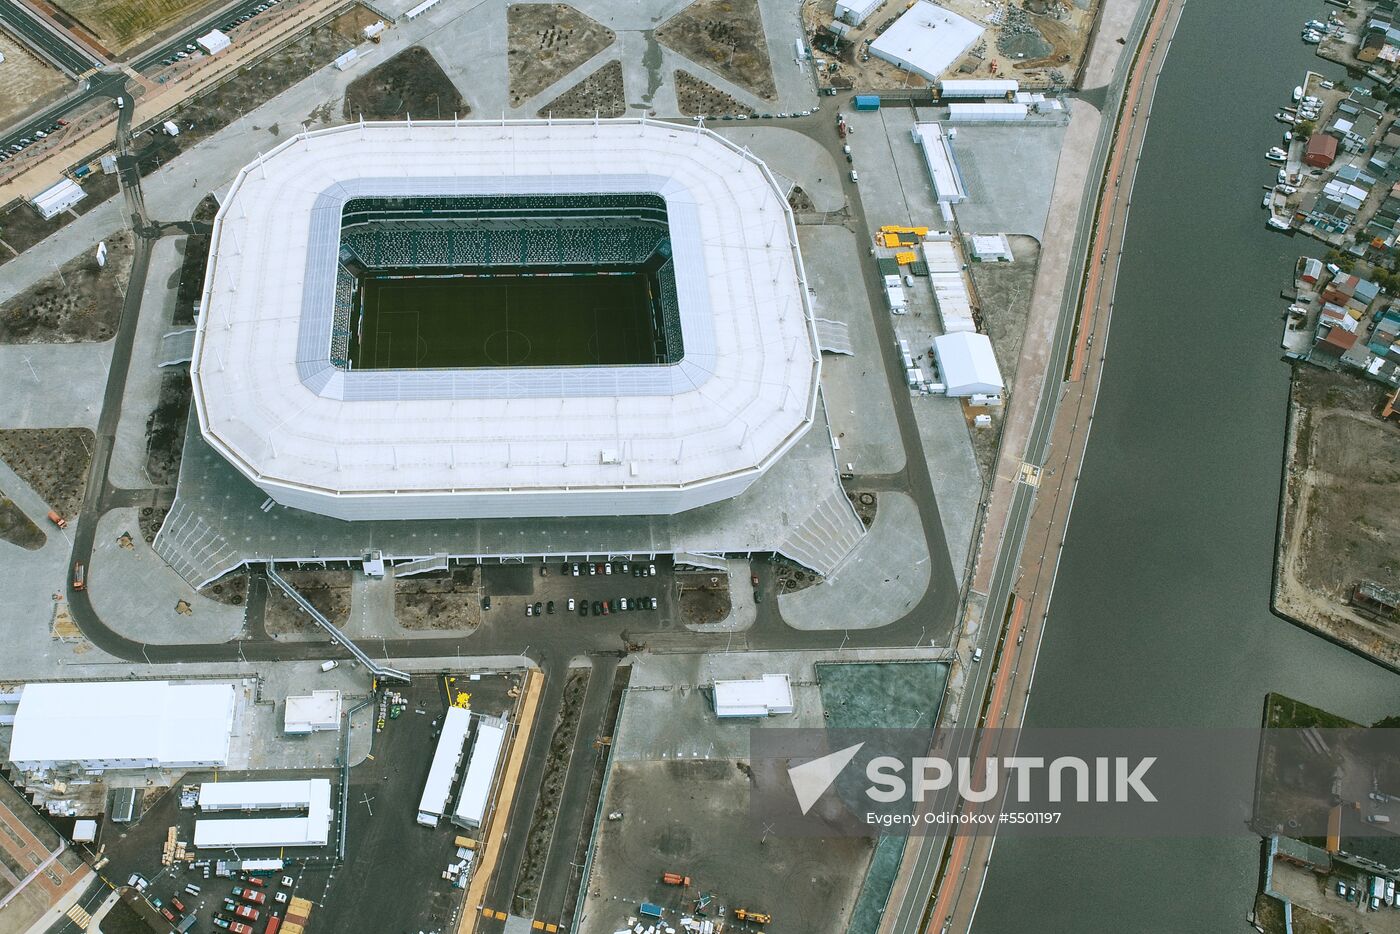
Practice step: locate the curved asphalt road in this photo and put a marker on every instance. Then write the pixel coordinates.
(934, 613)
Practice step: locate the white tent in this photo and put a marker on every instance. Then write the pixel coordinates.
(926, 40)
(214, 43)
(967, 364)
(58, 198)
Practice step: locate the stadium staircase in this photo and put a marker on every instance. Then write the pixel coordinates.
(421, 566)
(825, 539)
(377, 669)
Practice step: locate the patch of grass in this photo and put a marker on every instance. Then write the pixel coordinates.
(121, 24)
(1285, 713)
(727, 37)
(53, 461)
(17, 528)
(601, 93)
(546, 41)
(410, 83)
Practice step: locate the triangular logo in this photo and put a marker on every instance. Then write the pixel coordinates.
(810, 780)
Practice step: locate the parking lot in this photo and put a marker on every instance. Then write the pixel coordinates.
(637, 592)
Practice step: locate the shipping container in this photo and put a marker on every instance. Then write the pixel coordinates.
(867, 102)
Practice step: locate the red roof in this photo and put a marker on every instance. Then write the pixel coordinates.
(1338, 340)
(1321, 150)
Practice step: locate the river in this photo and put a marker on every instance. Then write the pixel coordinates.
(1161, 611)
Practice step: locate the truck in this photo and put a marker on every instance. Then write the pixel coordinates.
(249, 895)
(273, 923)
(650, 910)
(79, 576)
(58, 520)
(753, 917)
(675, 878)
(867, 102)
(247, 911)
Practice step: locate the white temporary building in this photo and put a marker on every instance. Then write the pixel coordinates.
(991, 248)
(855, 11)
(215, 42)
(754, 697)
(967, 364)
(524, 441)
(950, 293)
(84, 831)
(942, 165)
(977, 88)
(263, 796)
(58, 198)
(96, 725)
(926, 40)
(987, 113)
(311, 830)
(448, 755)
(320, 710)
(481, 773)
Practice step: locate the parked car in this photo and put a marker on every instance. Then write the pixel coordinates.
(597, 608)
(549, 608)
(571, 604)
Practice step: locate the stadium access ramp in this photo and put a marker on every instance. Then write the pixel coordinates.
(376, 668)
(436, 562)
(834, 336)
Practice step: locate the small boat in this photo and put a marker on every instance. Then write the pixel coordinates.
(1297, 94)
(1276, 155)
(1268, 202)
(1287, 190)
(1277, 224)
(1285, 118)
(1316, 25)
(1312, 38)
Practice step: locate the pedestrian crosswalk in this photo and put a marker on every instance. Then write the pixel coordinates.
(79, 916)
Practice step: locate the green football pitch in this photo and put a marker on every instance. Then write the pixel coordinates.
(504, 321)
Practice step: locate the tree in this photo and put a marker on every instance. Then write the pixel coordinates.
(1303, 129)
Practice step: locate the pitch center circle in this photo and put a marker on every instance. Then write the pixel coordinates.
(507, 348)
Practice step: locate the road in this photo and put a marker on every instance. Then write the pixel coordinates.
(56, 47)
(1028, 553)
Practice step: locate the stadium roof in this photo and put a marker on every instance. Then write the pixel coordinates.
(270, 400)
(119, 722)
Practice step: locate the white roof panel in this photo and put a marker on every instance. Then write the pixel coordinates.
(926, 39)
(476, 787)
(271, 402)
(123, 720)
(254, 795)
(967, 363)
(445, 760)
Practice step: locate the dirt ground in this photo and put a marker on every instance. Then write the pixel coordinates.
(792, 577)
(17, 528)
(704, 596)
(556, 768)
(121, 24)
(149, 521)
(202, 116)
(601, 93)
(53, 461)
(81, 302)
(1342, 517)
(726, 36)
(1041, 43)
(21, 226)
(865, 503)
(1004, 300)
(410, 83)
(327, 591)
(439, 602)
(692, 817)
(165, 429)
(545, 42)
(699, 98)
(231, 589)
(30, 82)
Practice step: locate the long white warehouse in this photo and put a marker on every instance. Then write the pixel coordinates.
(311, 830)
(448, 755)
(937, 148)
(481, 773)
(99, 725)
(261, 796)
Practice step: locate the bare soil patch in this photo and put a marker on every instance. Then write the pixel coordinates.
(1341, 516)
(328, 591)
(165, 428)
(30, 82)
(53, 461)
(601, 93)
(149, 520)
(793, 577)
(17, 528)
(410, 83)
(248, 88)
(704, 596)
(21, 226)
(701, 99)
(556, 768)
(546, 41)
(727, 37)
(81, 302)
(122, 24)
(437, 602)
(231, 589)
(866, 503)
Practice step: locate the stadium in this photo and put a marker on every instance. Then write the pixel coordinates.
(504, 319)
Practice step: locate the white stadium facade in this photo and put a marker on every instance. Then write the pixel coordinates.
(730, 386)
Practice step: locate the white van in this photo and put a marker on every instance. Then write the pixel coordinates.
(855, 176)
(327, 666)
(121, 102)
(976, 656)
